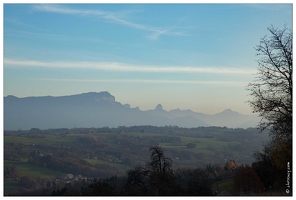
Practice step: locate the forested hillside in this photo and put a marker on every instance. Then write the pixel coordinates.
(105, 152)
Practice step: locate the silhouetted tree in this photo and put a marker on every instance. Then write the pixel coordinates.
(156, 178)
(193, 182)
(213, 170)
(270, 175)
(246, 181)
(160, 173)
(101, 188)
(138, 181)
(272, 92)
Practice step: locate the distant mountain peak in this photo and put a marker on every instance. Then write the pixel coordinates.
(105, 93)
(11, 96)
(104, 96)
(93, 109)
(227, 110)
(94, 96)
(158, 107)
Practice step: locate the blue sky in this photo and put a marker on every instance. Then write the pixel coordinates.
(188, 56)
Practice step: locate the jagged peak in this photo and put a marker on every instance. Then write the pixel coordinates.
(104, 96)
(158, 107)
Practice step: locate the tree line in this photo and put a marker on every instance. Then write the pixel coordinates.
(157, 178)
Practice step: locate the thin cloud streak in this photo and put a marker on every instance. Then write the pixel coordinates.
(145, 81)
(20, 23)
(13, 33)
(43, 35)
(113, 17)
(114, 66)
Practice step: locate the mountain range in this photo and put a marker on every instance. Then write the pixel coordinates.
(101, 109)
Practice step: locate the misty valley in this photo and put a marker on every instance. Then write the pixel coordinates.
(44, 162)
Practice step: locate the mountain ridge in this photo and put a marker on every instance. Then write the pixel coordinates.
(98, 109)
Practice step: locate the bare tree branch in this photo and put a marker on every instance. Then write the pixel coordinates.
(272, 91)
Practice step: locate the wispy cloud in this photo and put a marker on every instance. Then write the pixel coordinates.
(21, 23)
(122, 67)
(149, 81)
(11, 32)
(115, 17)
(273, 7)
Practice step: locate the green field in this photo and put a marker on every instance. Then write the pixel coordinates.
(33, 171)
(203, 145)
(30, 170)
(118, 166)
(70, 139)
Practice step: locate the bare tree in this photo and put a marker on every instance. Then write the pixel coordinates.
(138, 180)
(272, 89)
(160, 164)
(155, 178)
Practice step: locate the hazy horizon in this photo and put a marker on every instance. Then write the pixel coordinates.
(187, 56)
(163, 106)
